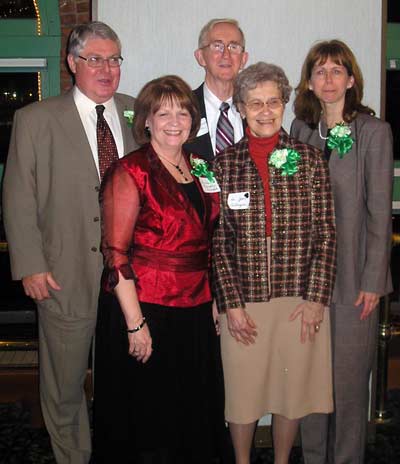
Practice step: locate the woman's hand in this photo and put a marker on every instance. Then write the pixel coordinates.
(370, 301)
(312, 315)
(140, 344)
(241, 326)
(216, 317)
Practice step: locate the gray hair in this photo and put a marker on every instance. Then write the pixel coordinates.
(95, 29)
(256, 74)
(213, 22)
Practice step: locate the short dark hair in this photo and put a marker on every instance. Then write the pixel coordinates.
(166, 88)
(306, 105)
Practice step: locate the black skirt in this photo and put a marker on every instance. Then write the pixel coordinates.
(172, 407)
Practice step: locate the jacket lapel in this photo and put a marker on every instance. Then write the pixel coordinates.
(205, 138)
(72, 126)
(125, 129)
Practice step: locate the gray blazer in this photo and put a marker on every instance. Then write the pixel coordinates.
(50, 198)
(362, 188)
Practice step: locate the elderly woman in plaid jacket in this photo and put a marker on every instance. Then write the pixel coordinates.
(274, 267)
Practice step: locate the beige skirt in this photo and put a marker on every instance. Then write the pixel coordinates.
(277, 374)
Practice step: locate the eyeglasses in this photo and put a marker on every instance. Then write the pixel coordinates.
(258, 105)
(98, 61)
(219, 47)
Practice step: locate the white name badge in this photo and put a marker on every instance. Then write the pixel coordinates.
(209, 186)
(239, 200)
(203, 127)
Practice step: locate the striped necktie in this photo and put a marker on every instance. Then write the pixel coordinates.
(106, 147)
(224, 136)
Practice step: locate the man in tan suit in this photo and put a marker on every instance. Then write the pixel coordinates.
(52, 220)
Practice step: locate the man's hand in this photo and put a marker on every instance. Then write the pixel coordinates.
(37, 285)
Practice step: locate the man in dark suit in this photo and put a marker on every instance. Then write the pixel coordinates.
(52, 220)
(222, 54)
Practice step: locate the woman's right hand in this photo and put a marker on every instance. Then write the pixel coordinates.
(241, 326)
(140, 344)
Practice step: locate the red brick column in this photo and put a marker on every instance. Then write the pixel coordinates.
(72, 13)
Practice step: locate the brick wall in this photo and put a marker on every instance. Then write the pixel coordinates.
(72, 13)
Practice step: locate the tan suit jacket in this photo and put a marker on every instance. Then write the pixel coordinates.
(51, 207)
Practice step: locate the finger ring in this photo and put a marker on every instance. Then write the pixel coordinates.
(316, 327)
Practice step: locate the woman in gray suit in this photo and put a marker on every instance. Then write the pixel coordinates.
(330, 115)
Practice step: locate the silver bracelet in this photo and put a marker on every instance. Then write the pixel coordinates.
(140, 326)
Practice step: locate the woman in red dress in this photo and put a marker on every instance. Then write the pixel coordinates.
(158, 380)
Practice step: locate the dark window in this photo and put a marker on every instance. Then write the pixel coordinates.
(392, 107)
(16, 90)
(17, 9)
(393, 11)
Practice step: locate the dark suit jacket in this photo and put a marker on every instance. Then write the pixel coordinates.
(202, 145)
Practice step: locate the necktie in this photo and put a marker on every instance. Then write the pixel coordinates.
(224, 136)
(106, 147)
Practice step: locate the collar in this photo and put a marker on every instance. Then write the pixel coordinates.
(214, 101)
(87, 106)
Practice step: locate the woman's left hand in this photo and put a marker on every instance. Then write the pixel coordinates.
(140, 344)
(370, 300)
(216, 317)
(312, 316)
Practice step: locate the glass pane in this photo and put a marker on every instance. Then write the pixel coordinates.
(17, 9)
(16, 90)
(393, 11)
(392, 108)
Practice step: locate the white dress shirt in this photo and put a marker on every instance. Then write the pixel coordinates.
(87, 112)
(212, 104)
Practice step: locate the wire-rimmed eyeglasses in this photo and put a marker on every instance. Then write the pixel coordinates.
(219, 47)
(258, 105)
(98, 61)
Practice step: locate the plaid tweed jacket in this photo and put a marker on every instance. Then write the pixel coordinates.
(303, 237)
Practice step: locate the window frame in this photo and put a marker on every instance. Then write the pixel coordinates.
(19, 38)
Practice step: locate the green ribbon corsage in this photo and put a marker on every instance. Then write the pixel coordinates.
(129, 115)
(200, 168)
(339, 139)
(285, 159)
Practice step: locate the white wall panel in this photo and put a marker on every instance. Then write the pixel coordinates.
(159, 36)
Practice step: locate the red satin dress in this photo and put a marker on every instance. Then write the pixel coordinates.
(157, 232)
